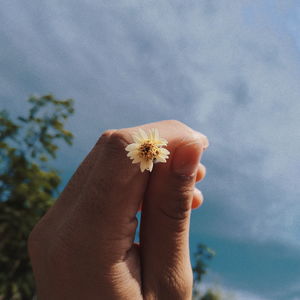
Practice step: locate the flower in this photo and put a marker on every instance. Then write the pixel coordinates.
(147, 149)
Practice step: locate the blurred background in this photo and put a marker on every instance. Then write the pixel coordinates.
(229, 69)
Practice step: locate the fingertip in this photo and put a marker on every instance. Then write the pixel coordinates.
(205, 142)
(201, 172)
(186, 158)
(197, 199)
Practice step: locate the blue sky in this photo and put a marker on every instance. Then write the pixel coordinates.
(229, 69)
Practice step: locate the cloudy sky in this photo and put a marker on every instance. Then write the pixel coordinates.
(230, 69)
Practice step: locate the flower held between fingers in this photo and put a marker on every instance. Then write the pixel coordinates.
(147, 149)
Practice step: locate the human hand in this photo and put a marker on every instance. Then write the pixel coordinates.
(83, 248)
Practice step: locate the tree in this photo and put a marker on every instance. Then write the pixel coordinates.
(202, 256)
(210, 295)
(28, 186)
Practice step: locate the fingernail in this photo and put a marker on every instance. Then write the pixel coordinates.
(186, 159)
(206, 142)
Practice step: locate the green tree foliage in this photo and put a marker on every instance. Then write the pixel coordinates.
(27, 185)
(210, 295)
(202, 256)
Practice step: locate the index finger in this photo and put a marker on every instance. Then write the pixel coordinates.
(114, 174)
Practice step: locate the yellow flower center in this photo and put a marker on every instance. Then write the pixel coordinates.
(148, 150)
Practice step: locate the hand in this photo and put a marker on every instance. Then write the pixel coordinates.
(83, 248)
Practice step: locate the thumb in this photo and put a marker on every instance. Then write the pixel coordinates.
(165, 224)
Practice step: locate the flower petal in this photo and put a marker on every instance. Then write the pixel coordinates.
(164, 151)
(147, 165)
(156, 134)
(153, 137)
(150, 165)
(160, 159)
(136, 160)
(132, 146)
(150, 134)
(143, 165)
(143, 134)
(137, 138)
(162, 142)
(133, 154)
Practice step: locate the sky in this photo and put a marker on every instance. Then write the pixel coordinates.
(229, 69)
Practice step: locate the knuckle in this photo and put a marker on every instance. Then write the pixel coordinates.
(117, 140)
(113, 143)
(176, 123)
(107, 133)
(183, 186)
(182, 193)
(179, 124)
(181, 197)
(183, 182)
(191, 134)
(181, 200)
(105, 136)
(177, 212)
(176, 285)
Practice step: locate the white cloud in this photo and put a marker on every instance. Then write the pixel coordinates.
(227, 68)
(221, 66)
(249, 106)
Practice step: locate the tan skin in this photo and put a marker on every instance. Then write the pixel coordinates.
(83, 248)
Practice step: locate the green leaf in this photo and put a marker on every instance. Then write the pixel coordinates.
(28, 186)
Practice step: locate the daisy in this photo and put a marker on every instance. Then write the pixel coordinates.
(147, 149)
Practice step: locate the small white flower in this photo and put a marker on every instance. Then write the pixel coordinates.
(147, 149)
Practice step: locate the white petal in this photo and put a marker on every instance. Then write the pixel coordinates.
(133, 154)
(160, 159)
(136, 160)
(151, 134)
(132, 147)
(143, 165)
(164, 151)
(146, 165)
(150, 165)
(162, 142)
(156, 134)
(137, 138)
(143, 134)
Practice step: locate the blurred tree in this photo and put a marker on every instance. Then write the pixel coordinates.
(210, 295)
(202, 256)
(27, 185)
